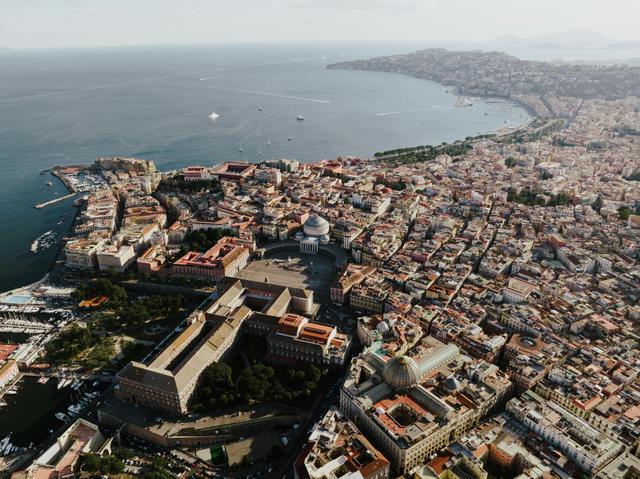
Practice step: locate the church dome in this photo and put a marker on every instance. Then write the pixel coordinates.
(452, 384)
(316, 226)
(401, 372)
(383, 327)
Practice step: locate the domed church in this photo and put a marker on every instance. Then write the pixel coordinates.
(316, 232)
(401, 372)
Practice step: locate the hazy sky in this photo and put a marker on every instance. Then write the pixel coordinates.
(64, 23)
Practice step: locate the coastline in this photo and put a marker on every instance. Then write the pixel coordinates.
(452, 88)
(454, 91)
(54, 171)
(532, 116)
(508, 100)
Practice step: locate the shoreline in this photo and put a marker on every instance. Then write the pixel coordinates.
(508, 100)
(504, 101)
(451, 88)
(54, 171)
(454, 91)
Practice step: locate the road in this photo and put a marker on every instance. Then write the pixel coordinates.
(322, 405)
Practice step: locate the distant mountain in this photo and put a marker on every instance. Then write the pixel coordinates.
(624, 46)
(546, 46)
(584, 36)
(580, 38)
(507, 39)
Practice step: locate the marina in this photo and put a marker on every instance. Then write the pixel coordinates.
(38, 407)
(43, 242)
(464, 101)
(29, 415)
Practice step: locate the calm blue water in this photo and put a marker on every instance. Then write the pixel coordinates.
(66, 107)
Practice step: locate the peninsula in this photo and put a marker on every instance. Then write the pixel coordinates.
(534, 84)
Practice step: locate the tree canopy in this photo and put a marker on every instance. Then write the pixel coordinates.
(624, 213)
(220, 386)
(105, 465)
(532, 197)
(202, 240)
(510, 162)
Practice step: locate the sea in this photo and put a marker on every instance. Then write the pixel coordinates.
(70, 106)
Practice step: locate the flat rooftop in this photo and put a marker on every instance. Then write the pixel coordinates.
(286, 268)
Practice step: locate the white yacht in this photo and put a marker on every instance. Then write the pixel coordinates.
(61, 416)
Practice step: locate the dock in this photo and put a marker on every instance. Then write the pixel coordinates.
(9, 386)
(55, 200)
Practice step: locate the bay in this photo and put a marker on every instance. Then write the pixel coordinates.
(64, 107)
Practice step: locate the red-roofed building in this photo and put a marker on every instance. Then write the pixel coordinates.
(295, 337)
(59, 461)
(291, 325)
(336, 448)
(196, 173)
(8, 372)
(234, 171)
(6, 350)
(223, 259)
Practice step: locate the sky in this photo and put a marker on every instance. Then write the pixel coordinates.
(88, 23)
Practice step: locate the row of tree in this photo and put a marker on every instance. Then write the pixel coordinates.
(419, 154)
